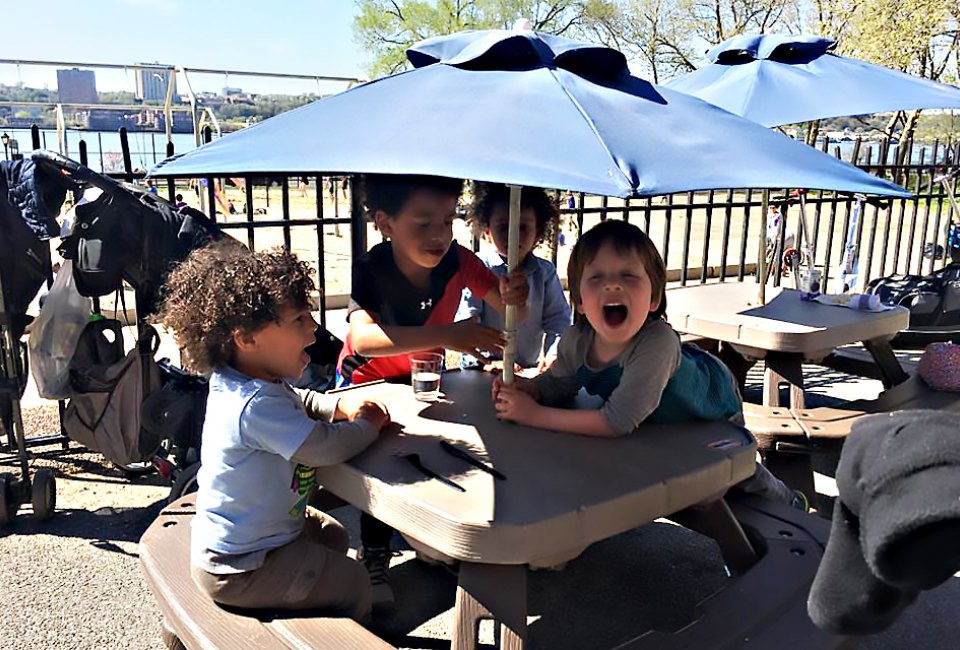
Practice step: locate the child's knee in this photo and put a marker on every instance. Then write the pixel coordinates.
(326, 530)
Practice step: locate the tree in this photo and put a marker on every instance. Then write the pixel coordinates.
(386, 28)
(920, 37)
(668, 37)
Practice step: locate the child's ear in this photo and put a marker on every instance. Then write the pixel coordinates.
(383, 223)
(244, 340)
(578, 306)
(655, 304)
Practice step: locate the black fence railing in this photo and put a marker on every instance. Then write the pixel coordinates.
(711, 235)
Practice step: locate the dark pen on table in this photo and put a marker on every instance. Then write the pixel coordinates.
(473, 460)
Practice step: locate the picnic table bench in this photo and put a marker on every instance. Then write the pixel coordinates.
(772, 550)
(786, 437)
(192, 620)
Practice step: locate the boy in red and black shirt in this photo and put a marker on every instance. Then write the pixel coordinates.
(403, 300)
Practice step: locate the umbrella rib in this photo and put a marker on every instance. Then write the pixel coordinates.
(593, 128)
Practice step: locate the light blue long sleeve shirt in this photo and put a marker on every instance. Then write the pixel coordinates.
(548, 309)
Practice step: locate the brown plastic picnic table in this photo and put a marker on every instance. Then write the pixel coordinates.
(561, 493)
(786, 331)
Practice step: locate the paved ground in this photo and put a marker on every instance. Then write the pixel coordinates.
(74, 581)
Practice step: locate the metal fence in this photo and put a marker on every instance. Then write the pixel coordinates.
(703, 236)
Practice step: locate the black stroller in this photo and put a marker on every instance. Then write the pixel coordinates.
(131, 235)
(30, 198)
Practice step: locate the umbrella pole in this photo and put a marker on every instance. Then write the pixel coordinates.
(513, 245)
(762, 252)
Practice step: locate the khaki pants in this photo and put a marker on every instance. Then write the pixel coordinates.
(311, 572)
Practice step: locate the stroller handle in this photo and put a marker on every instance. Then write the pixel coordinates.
(75, 170)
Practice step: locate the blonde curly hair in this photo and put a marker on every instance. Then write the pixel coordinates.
(223, 289)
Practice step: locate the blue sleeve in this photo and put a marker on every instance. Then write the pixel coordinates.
(559, 383)
(470, 307)
(556, 311)
(275, 421)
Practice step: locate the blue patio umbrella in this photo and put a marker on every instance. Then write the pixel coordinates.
(777, 79)
(522, 108)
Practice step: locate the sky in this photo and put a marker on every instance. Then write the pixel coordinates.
(312, 37)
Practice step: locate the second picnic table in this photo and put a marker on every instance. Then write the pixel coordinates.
(786, 331)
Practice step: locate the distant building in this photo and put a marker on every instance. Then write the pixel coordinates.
(152, 80)
(77, 86)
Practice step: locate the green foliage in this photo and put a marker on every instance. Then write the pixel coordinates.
(23, 94)
(915, 36)
(117, 97)
(386, 28)
(942, 126)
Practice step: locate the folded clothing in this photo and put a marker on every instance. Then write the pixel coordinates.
(902, 475)
(896, 527)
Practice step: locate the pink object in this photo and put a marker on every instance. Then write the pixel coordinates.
(940, 366)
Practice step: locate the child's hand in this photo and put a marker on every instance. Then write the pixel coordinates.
(348, 406)
(374, 413)
(473, 338)
(515, 404)
(514, 288)
(520, 383)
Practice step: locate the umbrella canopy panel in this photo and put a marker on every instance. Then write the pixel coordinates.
(777, 79)
(526, 109)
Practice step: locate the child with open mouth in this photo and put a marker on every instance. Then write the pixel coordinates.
(623, 350)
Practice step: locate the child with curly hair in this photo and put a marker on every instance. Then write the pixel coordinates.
(245, 319)
(624, 351)
(548, 313)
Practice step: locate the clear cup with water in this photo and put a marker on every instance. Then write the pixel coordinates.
(425, 371)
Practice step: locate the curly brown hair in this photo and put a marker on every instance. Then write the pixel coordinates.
(223, 289)
(487, 196)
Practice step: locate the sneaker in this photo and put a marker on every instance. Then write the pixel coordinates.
(377, 561)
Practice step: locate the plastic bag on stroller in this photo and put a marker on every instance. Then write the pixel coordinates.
(54, 335)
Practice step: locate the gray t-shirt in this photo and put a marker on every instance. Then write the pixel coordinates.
(252, 491)
(631, 385)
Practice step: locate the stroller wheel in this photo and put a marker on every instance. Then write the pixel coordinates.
(7, 506)
(44, 494)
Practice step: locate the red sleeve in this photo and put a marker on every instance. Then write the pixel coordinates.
(476, 276)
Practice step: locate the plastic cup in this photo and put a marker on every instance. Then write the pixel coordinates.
(809, 283)
(425, 371)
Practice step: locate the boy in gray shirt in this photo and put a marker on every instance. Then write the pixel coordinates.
(255, 543)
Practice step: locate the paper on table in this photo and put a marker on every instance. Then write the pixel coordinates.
(859, 301)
